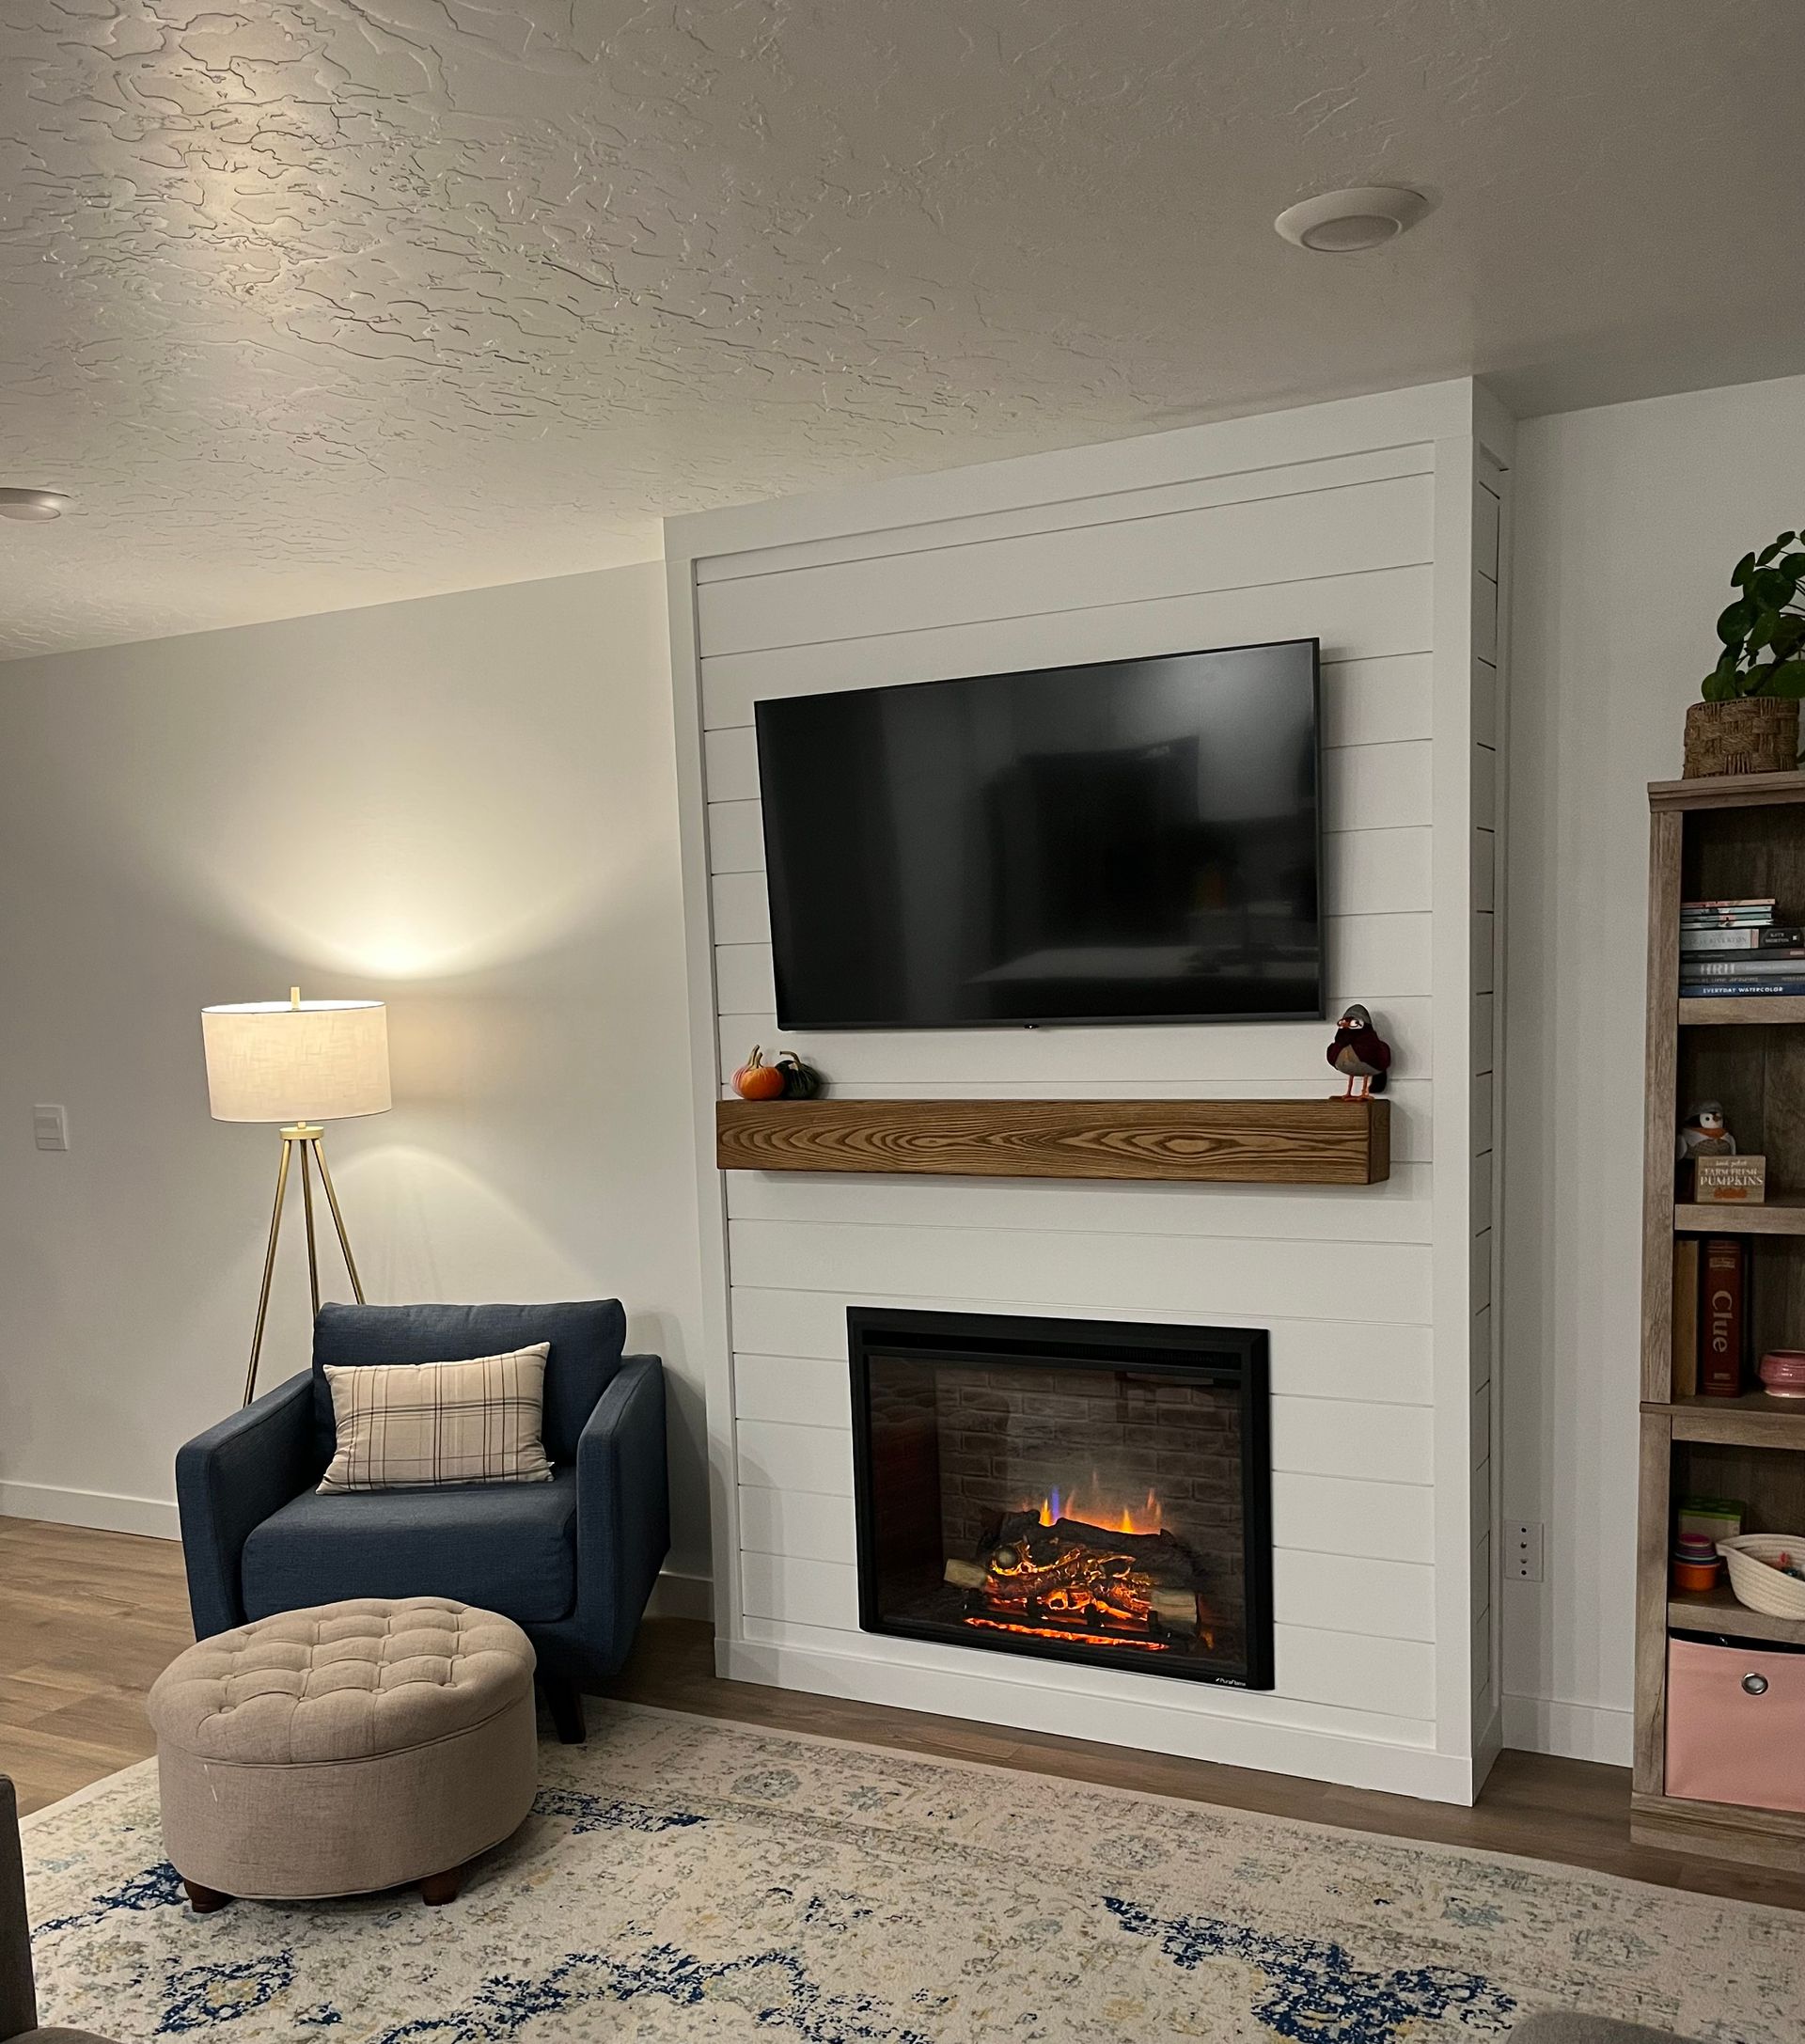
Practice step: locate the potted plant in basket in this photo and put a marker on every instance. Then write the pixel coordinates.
(1749, 721)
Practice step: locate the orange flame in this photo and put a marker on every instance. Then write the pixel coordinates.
(1147, 1518)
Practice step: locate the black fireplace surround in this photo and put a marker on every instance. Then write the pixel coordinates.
(1079, 1490)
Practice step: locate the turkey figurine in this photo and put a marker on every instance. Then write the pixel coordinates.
(1361, 1053)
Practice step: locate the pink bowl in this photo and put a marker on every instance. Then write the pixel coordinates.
(1782, 1371)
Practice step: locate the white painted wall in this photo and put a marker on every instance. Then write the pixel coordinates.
(464, 805)
(1372, 524)
(1629, 519)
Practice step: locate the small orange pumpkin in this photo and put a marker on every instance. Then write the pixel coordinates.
(756, 1080)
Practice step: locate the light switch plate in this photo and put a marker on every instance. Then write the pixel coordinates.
(50, 1127)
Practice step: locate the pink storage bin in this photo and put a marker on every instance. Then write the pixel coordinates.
(1736, 1725)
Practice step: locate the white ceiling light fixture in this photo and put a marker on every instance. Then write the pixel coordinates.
(1362, 216)
(32, 507)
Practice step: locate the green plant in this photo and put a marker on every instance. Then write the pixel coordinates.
(1767, 619)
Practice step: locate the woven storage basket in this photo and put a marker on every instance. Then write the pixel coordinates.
(1765, 1589)
(1749, 735)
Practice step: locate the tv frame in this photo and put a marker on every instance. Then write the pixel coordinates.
(1317, 1014)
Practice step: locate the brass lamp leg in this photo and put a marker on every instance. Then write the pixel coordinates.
(269, 1270)
(337, 1221)
(307, 1208)
(303, 1137)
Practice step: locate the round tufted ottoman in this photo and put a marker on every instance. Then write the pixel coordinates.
(344, 1749)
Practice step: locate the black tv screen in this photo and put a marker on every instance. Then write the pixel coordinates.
(1129, 840)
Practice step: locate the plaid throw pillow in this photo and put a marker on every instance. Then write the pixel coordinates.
(408, 1425)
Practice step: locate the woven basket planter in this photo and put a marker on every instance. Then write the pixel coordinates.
(1749, 735)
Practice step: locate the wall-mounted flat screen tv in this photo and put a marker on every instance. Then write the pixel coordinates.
(1131, 840)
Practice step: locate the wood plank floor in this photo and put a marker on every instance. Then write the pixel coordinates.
(88, 1622)
(88, 1619)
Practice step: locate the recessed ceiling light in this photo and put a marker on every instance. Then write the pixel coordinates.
(1342, 222)
(32, 506)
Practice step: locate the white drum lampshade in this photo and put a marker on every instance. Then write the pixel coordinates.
(296, 1061)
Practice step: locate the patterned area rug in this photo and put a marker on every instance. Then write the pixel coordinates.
(682, 1878)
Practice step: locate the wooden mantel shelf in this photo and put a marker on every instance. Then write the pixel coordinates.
(1297, 1142)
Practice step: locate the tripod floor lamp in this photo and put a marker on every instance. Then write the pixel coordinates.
(298, 1064)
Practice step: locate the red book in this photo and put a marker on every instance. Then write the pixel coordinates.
(1723, 1316)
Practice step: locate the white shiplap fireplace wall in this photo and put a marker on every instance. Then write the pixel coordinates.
(1373, 525)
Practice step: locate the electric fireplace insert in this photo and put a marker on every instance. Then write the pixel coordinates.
(1082, 1490)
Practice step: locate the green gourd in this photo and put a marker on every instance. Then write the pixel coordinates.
(800, 1081)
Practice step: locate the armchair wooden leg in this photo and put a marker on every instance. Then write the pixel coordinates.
(564, 1700)
(204, 1901)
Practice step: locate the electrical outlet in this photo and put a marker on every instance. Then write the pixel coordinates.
(1522, 1552)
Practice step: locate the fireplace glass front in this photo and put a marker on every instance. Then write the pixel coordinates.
(1088, 1491)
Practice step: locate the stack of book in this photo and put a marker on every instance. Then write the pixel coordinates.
(1738, 948)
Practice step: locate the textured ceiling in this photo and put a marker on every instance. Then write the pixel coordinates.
(326, 302)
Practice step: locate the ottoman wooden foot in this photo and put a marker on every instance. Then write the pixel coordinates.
(438, 1889)
(204, 1901)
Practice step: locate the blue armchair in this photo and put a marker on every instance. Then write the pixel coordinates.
(573, 1561)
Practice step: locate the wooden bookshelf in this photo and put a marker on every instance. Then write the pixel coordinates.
(1727, 838)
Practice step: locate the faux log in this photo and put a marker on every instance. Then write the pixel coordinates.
(1162, 1555)
(1299, 1143)
(1176, 1609)
(1172, 1566)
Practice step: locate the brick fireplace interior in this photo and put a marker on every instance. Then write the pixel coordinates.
(1079, 1490)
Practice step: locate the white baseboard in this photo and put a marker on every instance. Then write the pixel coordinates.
(103, 1509)
(1538, 1724)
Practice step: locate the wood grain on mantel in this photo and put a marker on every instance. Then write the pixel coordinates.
(1301, 1143)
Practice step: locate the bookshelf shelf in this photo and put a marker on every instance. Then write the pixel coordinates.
(1782, 1214)
(1756, 1401)
(1736, 839)
(1727, 792)
(1717, 1611)
(1720, 1830)
(1752, 1421)
(1723, 1010)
